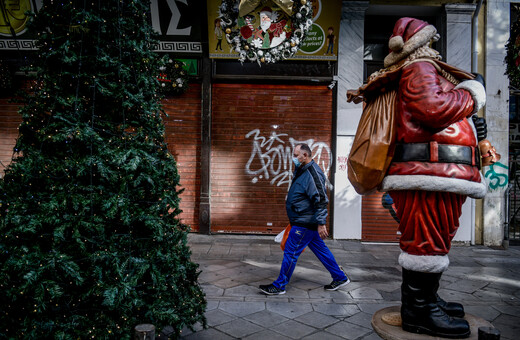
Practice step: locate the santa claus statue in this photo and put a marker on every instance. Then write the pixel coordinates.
(435, 166)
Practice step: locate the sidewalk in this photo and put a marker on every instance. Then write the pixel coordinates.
(485, 280)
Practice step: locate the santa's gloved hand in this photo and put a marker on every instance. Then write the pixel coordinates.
(477, 88)
(480, 126)
(480, 79)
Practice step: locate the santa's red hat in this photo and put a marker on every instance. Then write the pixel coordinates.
(409, 34)
(267, 10)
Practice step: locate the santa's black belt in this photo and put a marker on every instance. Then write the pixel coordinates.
(436, 153)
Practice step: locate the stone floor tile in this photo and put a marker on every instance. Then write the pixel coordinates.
(332, 309)
(316, 320)
(211, 290)
(466, 286)
(287, 309)
(366, 293)
(239, 249)
(241, 290)
(322, 335)
(361, 319)
(508, 325)
(217, 317)
(207, 334)
(213, 267)
(392, 296)
(239, 328)
(510, 310)
(234, 271)
(293, 292)
(457, 296)
(293, 329)
(224, 298)
(233, 264)
(488, 313)
(211, 305)
(227, 283)
(266, 318)
(305, 284)
(372, 308)
(260, 298)
(371, 336)
(209, 276)
(348, 330)
(266, 334)
(386, 286)
(200, 248)
(305, 300)
(219, 249)
(241, 309)
(340, 294)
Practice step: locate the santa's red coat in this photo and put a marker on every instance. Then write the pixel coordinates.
(430, 109)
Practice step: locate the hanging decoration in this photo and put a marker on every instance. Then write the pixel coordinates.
(265, 31)
(173, 78)
(513, 56)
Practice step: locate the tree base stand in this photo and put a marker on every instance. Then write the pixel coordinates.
(386, 323)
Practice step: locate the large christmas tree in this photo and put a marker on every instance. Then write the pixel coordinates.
(90, 244)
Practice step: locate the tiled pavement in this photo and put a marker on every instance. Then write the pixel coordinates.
(485, 280)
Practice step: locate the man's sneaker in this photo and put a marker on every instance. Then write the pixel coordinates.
(336, 284)
(271, 290)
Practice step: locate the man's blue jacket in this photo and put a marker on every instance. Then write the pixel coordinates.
(307, 200)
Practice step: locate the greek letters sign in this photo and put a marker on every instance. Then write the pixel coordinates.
(177, 21)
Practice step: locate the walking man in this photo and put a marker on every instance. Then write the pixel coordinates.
(306, 206)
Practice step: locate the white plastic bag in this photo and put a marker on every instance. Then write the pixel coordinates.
(279, 237)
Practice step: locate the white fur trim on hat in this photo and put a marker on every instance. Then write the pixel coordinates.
(424, 263)
(435, 183)
(396, 43)
(419, 39)
(477, 90)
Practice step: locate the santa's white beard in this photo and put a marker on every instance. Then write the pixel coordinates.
(265, 25)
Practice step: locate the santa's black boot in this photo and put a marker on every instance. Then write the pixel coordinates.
(420, 312)
(453, 309)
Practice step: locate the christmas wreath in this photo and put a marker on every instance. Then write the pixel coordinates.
(272, 33)
(513, 55)
(173, 78)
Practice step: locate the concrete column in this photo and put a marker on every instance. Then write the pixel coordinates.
(458, 35)
(496, 112)
(347, 203)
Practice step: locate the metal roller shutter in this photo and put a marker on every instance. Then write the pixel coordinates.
(377, 223)
(254, 130)
(10, 119)
(183, 135)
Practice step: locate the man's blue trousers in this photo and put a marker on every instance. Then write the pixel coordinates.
(298, 239)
